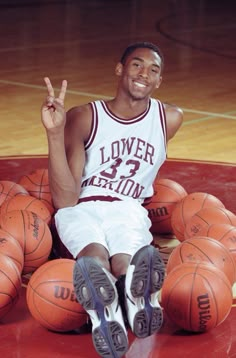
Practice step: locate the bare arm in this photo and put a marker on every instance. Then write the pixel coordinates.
(64, 175)
(174, 119)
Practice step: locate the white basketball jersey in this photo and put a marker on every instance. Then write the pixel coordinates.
(124, 156)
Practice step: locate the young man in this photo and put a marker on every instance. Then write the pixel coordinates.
(103, 159)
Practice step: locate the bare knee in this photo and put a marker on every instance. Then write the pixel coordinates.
(98, 252)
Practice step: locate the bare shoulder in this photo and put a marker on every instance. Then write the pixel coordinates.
(174, 119)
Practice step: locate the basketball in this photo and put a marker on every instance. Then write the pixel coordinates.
(8, 189)
(32, 233)
(10, 285)
(203, 249)
(206, 217)
(51, 299)
(187, 207)
(37, 185)
(167, 193)
(27, 202)
(11, 248)
(196, 296)
(224, 233)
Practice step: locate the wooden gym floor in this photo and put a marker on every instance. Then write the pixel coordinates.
(81, 41)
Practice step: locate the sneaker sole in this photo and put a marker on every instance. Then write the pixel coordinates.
(147, 280)
(95, 292)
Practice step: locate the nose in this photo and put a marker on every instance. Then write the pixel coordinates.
(143, 72)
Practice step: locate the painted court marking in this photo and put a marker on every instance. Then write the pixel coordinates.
(93, 95)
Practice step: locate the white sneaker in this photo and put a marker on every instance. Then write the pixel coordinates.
(96, 291)
(144, 279)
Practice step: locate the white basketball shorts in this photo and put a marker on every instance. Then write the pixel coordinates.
(120, 226)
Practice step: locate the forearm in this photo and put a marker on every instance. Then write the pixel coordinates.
(63, 186)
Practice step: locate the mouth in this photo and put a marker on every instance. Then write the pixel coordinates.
(139, 84)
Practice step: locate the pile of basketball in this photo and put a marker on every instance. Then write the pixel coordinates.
(200, 272)
(26, 240)
(25, 235)
(197, 294)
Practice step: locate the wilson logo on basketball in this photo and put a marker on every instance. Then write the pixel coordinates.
(195, 229)
(157, 212)
(64, 293)
(204, 311)
(35, 226)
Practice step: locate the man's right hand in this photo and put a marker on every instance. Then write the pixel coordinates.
(53, 110)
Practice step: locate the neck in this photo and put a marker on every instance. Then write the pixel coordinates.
(127, 109)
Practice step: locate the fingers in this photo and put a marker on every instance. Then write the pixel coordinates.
(63, 91)
(53, 104)
(49, 87)
(51, 94)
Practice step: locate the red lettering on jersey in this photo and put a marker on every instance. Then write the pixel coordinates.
(122, 147)
(150, 150)
(127, 145)
(126, 187)
(103, 156)
(115, 149)
(139, 148)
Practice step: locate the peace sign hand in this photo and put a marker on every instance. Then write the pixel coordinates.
(53, 111)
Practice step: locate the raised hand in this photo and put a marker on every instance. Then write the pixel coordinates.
(53, 110)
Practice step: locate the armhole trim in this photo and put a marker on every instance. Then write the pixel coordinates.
(94, 126)
(163, 122)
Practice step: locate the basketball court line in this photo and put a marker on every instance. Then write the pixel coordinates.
(211, 28)
(209, 116)
(48, 45)
(93, 95)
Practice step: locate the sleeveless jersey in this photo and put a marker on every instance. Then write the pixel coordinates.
(124, 156)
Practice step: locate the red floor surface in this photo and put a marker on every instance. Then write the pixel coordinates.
(21, 336)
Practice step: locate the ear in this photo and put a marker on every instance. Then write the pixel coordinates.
(119, 69)
(159, 82)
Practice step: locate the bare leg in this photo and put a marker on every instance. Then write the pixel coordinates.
(119, 264)
(98, 252)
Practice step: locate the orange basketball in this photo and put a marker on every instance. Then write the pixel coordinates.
(167, 193)
(203, 249)
(51, 298)
(197, 296)
(8, 189)
(33, 234)
(10, 285)
(37, 184)
(224, 233)
(187, 207)
(206, 217)
(27, 202)
(11, 248)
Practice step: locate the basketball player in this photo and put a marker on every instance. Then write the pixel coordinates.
(103, 159)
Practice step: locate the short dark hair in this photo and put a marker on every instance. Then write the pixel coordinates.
(132, 47)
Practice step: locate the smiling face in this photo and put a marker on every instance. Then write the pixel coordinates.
(140, 75)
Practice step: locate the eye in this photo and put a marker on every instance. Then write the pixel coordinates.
(155, 70)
